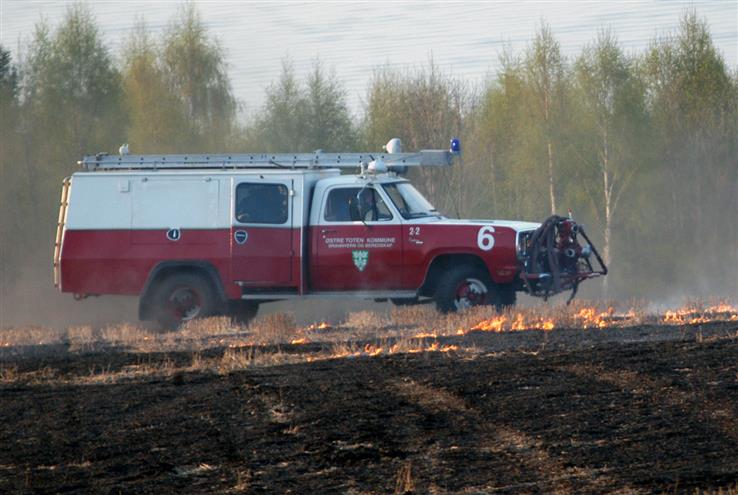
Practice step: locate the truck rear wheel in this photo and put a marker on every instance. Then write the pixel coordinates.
(463, 287)
(183, 297)
(242, 312)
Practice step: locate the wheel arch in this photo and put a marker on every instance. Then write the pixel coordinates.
(441, 263)
(168, 268)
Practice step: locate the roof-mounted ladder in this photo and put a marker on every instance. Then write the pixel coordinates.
(391, 159)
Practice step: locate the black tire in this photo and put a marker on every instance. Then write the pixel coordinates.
(242, 312)
(465, 286)
(404, 302)
(508, 296)
(183, 297)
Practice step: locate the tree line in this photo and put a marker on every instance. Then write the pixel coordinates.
(641, 147)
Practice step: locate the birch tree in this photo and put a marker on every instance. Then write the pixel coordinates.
(327, 120)
(546, 76)
(424, 108)
(692, 102)
(613, 101)
(158, 118)
(195, 67)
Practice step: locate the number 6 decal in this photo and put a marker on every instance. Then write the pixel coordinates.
(485, 239)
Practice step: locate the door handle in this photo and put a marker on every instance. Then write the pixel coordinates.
(419, 243)
(328, 231)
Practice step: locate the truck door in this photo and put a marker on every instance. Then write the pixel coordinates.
(261, 233)
(357, 244)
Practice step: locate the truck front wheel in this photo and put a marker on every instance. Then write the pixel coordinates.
(464, 287)
(183, 297)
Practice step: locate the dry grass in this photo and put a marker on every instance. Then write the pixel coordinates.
(237, 359)
(132, 372)
(11, 374)
(125, 333)
(365, 320)
(243, 358)
(383, 346)
(8, 374)
(81, 335)
(274, 328)
(243, 481)
(404, 480)
(30, 335)
(406, 329)
(728, 490)
(206, 327)
(412, 316)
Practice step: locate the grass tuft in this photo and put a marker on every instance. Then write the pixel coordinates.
(274, 328)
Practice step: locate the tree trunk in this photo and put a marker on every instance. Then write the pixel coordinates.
(607, 188)
(606, 249)
(551, 178)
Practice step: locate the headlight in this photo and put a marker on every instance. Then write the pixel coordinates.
(521, 243)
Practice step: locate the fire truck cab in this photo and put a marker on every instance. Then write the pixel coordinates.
(201, 235)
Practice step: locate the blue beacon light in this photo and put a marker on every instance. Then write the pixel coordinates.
(456, 146)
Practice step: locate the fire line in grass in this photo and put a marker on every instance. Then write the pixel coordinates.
(590, 317)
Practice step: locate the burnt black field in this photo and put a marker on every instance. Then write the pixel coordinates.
(627, 417)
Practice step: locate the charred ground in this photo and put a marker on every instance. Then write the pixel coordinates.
(638, 409)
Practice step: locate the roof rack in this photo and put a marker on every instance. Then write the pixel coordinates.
(391, 159)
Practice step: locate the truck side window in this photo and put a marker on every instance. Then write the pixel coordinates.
(354, 204)
(261, 203)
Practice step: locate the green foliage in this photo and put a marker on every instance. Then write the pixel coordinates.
(158, 118)
(72, 104)
(8, 82)
(692, 103)
(612, 130)
(506, 144)
(424, 108)
(304, 118)
(279, 126)
(73, 91)
(546, 81)
(9, 90)
(9, 148)
(195, 69)
(329, 123)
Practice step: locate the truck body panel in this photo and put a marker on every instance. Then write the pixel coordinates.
(120, 225)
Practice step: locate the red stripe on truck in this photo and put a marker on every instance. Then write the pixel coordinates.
(120, 261)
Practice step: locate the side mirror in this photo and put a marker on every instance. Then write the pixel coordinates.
(355, 211)
(360, 212)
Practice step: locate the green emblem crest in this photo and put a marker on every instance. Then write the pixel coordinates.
(361, 258)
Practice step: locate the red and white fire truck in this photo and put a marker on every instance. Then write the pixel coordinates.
(198, 235)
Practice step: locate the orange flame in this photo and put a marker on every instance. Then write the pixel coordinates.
(591, 317)
(397, 348)
(504, 324)
(320, 326)
(693, 316)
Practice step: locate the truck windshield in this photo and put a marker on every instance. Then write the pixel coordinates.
(409, 202)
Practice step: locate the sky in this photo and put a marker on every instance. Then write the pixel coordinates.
(464, 39)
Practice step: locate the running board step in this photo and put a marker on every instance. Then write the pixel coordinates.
(272, 296)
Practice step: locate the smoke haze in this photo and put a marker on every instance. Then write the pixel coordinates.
(642, 146)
